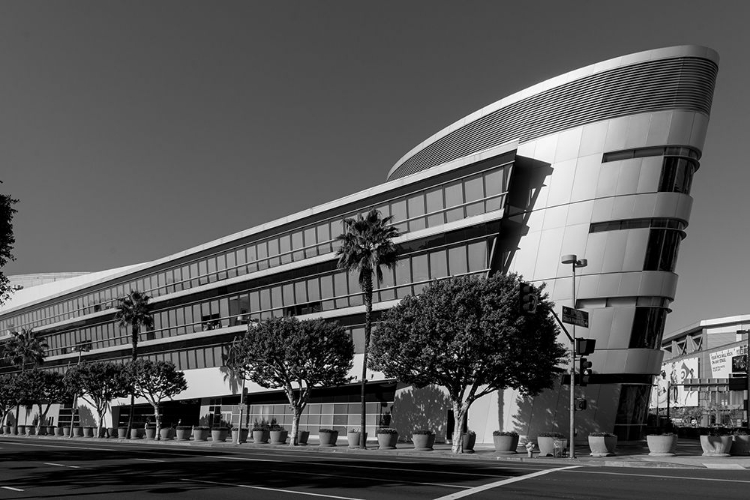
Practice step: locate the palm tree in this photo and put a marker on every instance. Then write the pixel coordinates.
(367, 245)
(26, 347)
(134, 311)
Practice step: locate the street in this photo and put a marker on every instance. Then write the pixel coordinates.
(36, 468)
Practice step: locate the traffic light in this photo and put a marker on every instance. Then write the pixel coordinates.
(584, 368)
(527, 298)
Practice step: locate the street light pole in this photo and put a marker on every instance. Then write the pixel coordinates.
(575, 263)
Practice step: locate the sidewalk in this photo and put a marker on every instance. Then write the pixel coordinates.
(688, 453)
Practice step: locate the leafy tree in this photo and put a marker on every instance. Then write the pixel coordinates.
(467, 335)
(8, 394)
(22, 349)
(155, 381)
(6, 242)
(42, 388)
(134, 311)
(98, 384)
(296, 356)
(366, 246)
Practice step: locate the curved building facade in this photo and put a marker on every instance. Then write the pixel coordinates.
(597, 162)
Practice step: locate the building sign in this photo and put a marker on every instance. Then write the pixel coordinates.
(721, 361)
(668, 386)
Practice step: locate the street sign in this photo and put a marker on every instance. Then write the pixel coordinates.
(575, 317)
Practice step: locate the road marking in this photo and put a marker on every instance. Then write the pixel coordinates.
(68, 447)
(724, 466)
(61, 465)
(681, 478)
(400, 481)
(11, 488)
(150, 460)
(272, 489)
(403, 469)
(243, 458)
(489, 486)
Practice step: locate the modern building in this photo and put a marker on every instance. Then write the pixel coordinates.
(705, 370)
(597, 162)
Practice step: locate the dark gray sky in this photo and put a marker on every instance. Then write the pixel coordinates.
(133, 130)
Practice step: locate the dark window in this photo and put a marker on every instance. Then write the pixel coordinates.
(617, 225)
(648, 327)
(661, 251)
(677, 175)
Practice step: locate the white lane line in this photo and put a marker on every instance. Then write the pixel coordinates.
(224, 457)
(11, 488)
(68, 447)
(724, 466)
(150, 460)
(442, 472)
(400, 481)
(489, 486)
(61, 465)
(272, 489)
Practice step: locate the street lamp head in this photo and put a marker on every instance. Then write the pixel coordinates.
(569, 259)
(581, 263)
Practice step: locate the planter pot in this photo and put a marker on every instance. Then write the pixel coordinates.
(602, 446)
(183, 433)
(219, 435)
(88, 432)
(136, 433)
(150, 432)
(243, 435)
(547, 446)
(328, 439)
(58, 431)
(302, 437)
(77, 431)
(353, 439)
(279, 437)
(716, 446)
(122, 432)
(661, 446)
(468, 442)
(387, 441)
(21, 430)
(30, 430)
(423, 442)
(66, 431)
(740, 445)
(261, 437)
(505, 445)
(111, 432)
(165, 433)
(200, 434)
(6, 430)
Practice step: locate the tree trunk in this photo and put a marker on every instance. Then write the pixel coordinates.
(368, 329)
(158, 421)
(101, 412)
(295, 426)
(459, 414)
(134, 340)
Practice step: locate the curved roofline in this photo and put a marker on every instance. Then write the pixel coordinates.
(592, 69)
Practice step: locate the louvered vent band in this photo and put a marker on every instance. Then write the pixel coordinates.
(681, 83)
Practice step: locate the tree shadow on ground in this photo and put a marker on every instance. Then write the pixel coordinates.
(425, 408)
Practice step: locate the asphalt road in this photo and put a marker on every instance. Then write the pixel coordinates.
(39, 468)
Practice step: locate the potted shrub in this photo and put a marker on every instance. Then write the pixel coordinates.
(546, 442)
(77, 431)
(150, 431)
(219, 434)
(327, 437)
(260, 433)
(505, 442)
(740, 443)
(387, 438)
(66, 431)
(469, 438)
(353, 437)
(165, 433)
(136, 433)
(58, 431)
(243, 435)
(183, 432)
(278, 434)
(88, 432)
(662, 445)
(717, 442)
(602, 444)
(200, 433)
(302, 437)
(423, 439)
(122, 432)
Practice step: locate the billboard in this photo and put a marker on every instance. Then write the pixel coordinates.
(669, 389)
(722, 361)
